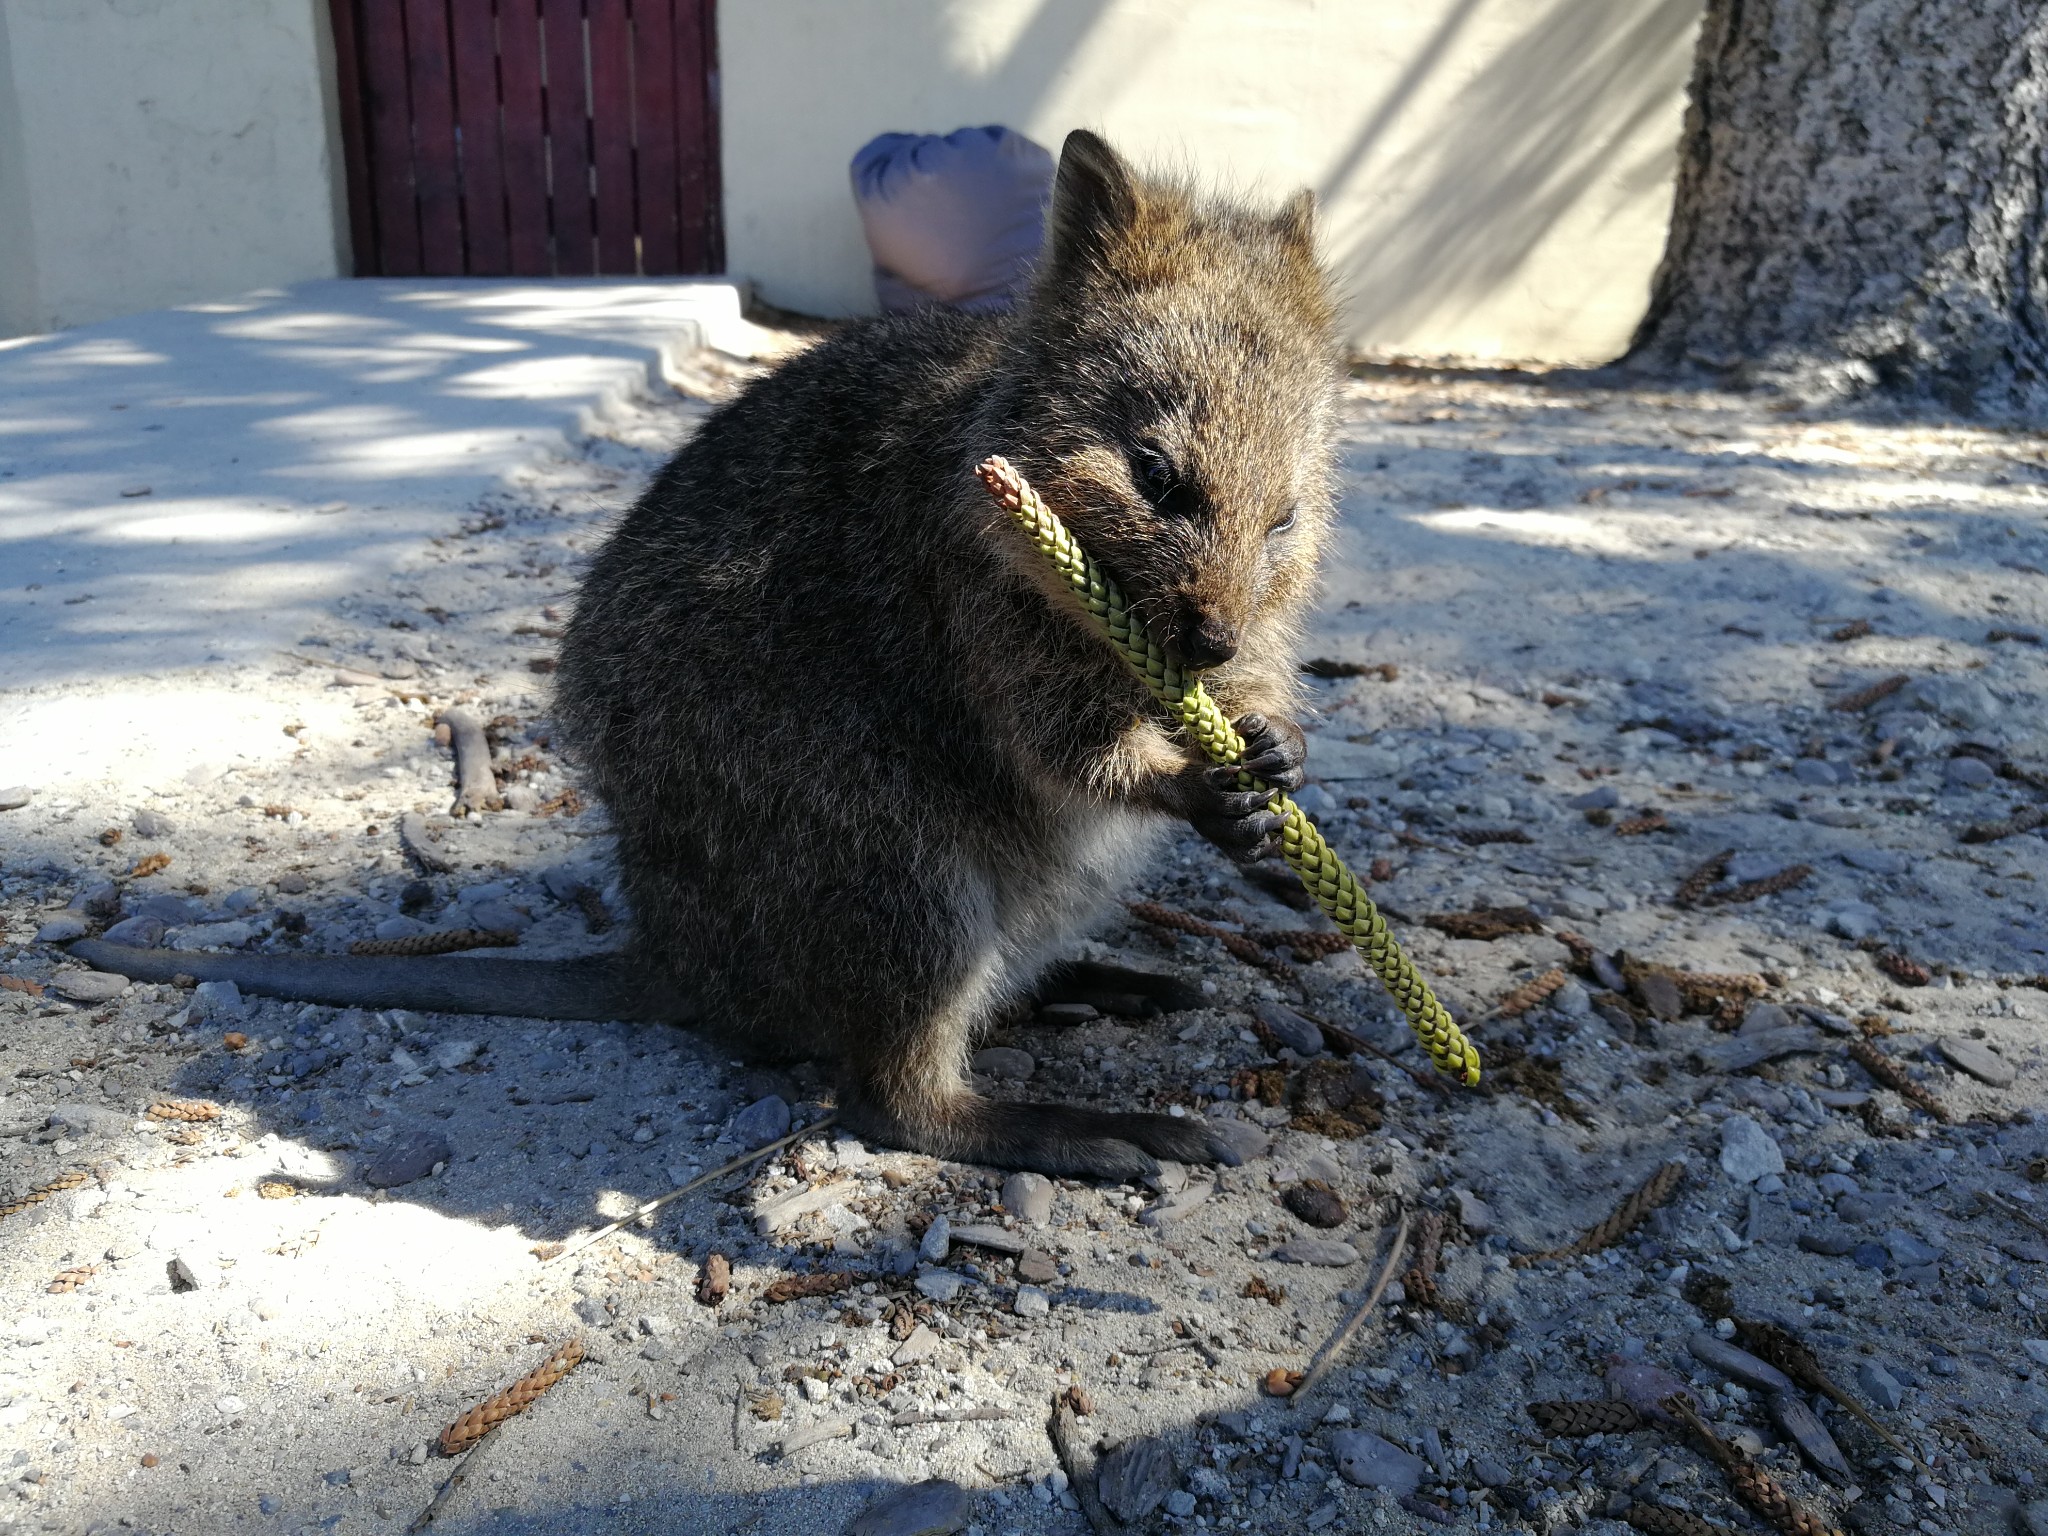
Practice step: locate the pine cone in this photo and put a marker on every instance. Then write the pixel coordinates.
(515, 1399)
(1529, 994)
(1657, 1520)
(71, 1279)
(1573, 1419)
(184, 1109)
(447, 942)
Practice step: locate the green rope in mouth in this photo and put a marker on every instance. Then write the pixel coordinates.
(1321, 872)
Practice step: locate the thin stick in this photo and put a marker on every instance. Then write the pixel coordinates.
(817, 1434)
(475, 788)
(2000, 1203)
(702, 1179)
(1326, 1357)
(454, 1480)
(1077, 1460)
(1352, 1042)
(947, 1416)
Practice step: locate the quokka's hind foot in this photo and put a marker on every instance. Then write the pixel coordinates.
(1056, 1139)
(1116, 989)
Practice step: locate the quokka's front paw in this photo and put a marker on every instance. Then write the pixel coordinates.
(1240, 821)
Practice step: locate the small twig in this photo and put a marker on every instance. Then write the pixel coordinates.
(947, 1416)
(817, 1434)
(650, 1207)
(1077, 1460)
(1352, 1042)
(475, 788)
(2000, 1203)
(1326, 1357)
(449, 1485)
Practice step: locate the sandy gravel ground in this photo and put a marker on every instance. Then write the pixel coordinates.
(1596, 640)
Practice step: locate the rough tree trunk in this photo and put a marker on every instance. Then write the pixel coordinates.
(1860, 204)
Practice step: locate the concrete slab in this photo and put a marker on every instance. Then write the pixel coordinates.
(191, 487)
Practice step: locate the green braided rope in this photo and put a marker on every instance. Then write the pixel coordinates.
(1322, 873)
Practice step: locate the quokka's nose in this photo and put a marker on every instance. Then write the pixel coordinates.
(1209, 641)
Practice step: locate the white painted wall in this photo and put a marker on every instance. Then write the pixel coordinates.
(1495, 174)
(156, 152)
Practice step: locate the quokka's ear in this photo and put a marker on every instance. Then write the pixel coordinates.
(1295, 223)
(1095, 200)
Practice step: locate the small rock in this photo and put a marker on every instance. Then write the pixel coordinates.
(1298, 1034)
(1605, 798)
(88, 986)
(213, 1001)
(1749, 865)
(985, 1235)
(1031, 1302)
(1315, 1203)
(1474, 1212)
(935, 1507)
(15, 796)
(1316, 1250)
(1642, 1386)
(941, 1285)
(189, 1272)
(1067, 1014)
(1747, 1151)
(450, 1054)
(1004, 1062)
(1830, 1242)
(1366, 1461)
(1490, 1472)
(1174, 1207)
(230, 1405)
(2037, 1350)
(937, 1242)
(1039, 1268)
(412, 1155)
(142, 931)
(1180, 1502)
(62, 929)
(921, 1342)
(292, 883)
(1241, 1139)
(761, 1122)
(1968, 773)
(1816, 771)
(1740, 1052)
(1760, 1017)
(1877, 861)
(152, 824)
(1028, 1197)
(1977, 1059)
(1135, 1478)
(1661, 996)
(1879, 1385)
(1738, 1364)
(1908, 1251)
(212, 936)
(1804, 1428)
(1854, 921)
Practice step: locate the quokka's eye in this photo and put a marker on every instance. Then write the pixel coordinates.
(1159, 484)
(1286, 522)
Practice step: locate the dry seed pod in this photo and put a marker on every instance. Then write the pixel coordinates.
(515, 1399)
(184, 1109)
(1573, 1419)
(1654, 1193)
(42, 1192)
(451, 941)
(1529, 994)
(1893, 1075)
(71, 1279)
(1656, 1520)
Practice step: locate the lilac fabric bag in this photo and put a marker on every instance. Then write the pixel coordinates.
(953, 220)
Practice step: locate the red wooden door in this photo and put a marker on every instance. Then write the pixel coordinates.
(530, 138)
